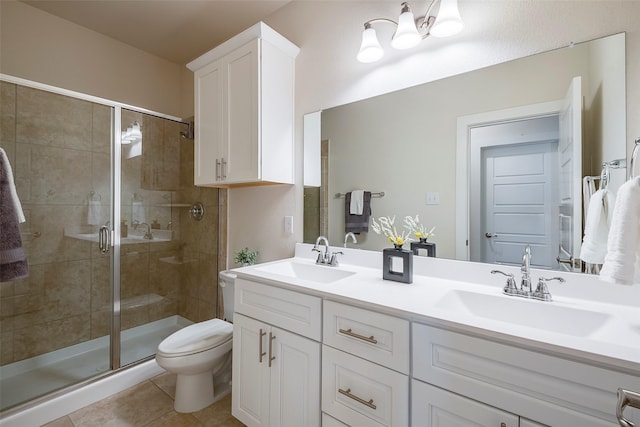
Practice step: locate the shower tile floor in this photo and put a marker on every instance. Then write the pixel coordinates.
(148, 404)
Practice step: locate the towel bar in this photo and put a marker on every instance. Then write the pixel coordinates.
(378, 195)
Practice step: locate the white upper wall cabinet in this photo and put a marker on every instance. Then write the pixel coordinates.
(244, 110)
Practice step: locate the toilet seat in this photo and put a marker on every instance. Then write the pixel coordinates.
(196, 338)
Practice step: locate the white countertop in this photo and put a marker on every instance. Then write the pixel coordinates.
(614, 344)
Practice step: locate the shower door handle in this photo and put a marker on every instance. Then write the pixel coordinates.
(104, 239)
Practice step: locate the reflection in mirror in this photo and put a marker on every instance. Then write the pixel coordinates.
(405, 145)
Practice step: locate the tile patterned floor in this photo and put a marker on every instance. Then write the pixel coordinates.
(149, 404)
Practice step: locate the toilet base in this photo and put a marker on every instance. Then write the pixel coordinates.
(193, 392)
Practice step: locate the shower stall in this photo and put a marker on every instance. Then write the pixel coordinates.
(122, 247)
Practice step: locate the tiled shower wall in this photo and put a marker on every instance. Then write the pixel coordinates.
(59, 148)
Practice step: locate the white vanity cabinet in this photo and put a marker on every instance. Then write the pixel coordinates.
(510, 380)
(244, 110)
(276, 356)
(365, 366)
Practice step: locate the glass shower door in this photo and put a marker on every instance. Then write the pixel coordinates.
(150, 266)
(55, 324)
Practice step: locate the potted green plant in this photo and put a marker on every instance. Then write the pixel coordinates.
(246, 257)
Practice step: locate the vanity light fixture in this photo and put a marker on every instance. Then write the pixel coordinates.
(410, 30)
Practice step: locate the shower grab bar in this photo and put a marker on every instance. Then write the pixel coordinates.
(626, 398)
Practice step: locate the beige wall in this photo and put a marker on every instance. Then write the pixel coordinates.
(37, 46)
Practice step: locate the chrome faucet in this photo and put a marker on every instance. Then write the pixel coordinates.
(326, 258)
(353, 238)
(511, 288)
(147, 234)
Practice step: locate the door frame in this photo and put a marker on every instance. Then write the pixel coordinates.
(463, 164)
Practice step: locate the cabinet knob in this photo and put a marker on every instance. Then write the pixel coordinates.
(503, 424)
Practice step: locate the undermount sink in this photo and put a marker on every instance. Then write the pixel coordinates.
(311, 272)
(534, 314)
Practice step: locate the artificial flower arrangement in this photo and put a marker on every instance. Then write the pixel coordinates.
(386, 227)
(418, 229)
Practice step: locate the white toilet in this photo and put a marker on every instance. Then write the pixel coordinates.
(200, 355)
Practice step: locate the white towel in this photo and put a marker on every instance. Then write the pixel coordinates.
(17, 206)
(137, 213)
(94, 212)
(596, 229)
(357, 202)
(622, 262)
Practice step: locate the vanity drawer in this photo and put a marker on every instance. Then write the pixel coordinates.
(551, 390)
(358, 392)
(373, 336)
(286, 309)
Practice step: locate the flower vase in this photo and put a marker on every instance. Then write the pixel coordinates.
(397, 264)
(423, 248)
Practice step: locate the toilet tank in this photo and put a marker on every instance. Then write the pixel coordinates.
(227, 281)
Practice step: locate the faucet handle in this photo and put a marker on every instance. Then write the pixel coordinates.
(542, 290)
(510, 288)
(334, 258)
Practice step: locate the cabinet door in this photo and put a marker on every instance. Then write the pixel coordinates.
(295, 380)
(250, 390)
(209, 102)
(241, 151)
(435, 407)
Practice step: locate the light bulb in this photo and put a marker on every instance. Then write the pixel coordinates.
(406, 35)
(370, 49)
(448, 21)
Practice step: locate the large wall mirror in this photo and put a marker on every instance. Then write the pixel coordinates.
(427, 149)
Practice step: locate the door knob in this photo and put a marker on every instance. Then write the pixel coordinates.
(490, 235)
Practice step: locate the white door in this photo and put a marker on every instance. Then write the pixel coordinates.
(250, 390)
(570, 164)
(295, 380)
(518, 203)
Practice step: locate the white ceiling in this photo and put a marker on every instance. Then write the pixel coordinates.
(176, 30)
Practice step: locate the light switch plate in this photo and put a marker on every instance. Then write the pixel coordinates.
(433, 198)
(288, 224)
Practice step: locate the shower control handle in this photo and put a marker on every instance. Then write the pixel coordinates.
(261, 353)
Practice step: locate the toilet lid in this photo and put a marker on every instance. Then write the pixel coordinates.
(195, 338)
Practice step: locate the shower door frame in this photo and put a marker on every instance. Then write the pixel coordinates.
(114, 217)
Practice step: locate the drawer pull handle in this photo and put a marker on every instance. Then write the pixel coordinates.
(347, 393)
(349, 332)
(262, 353)
(626, 398)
